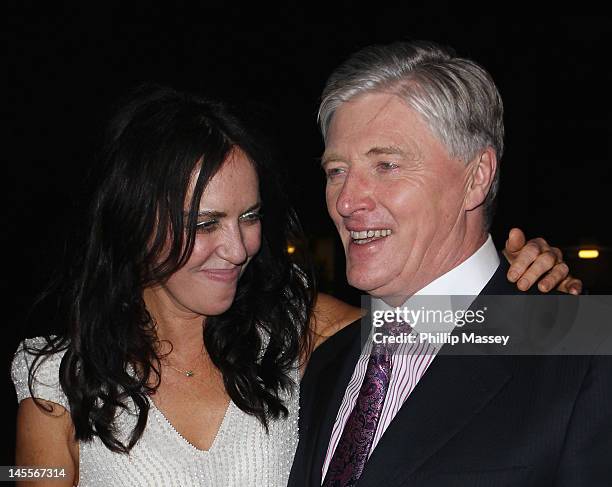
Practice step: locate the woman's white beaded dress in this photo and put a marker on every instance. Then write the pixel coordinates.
(242, 454)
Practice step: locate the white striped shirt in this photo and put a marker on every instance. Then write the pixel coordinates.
(410, 361)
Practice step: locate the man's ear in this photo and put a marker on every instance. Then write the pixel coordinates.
(483, 172)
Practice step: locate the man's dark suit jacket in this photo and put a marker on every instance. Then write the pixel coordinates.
(471, 420)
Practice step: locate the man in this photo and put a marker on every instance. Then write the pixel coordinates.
(413, 139)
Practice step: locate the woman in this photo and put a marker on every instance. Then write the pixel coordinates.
(186, 319)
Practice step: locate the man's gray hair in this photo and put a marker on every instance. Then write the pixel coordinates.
(455, 96)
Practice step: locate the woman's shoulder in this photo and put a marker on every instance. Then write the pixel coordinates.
(43, 357)
(330, 316)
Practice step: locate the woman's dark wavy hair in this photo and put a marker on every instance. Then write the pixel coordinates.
(155, 142)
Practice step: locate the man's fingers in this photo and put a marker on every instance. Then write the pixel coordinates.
(576, 287)
(528, 254)
(543, 263)
(516, 240)
(570, 285)
(555, 277)
(558, 253)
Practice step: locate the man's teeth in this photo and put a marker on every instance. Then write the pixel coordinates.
(370, 233)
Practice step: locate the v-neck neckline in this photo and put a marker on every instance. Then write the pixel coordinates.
(218, 436)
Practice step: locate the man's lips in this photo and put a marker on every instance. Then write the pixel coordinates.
(222, 275)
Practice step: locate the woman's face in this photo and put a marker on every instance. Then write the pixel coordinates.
(228, 235)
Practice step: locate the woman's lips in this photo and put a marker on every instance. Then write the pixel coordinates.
(222, 275)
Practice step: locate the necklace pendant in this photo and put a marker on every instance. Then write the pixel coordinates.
(189, 373)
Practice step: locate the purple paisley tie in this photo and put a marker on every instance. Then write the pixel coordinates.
(356, 440)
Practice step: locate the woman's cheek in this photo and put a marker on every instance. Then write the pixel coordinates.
(253, 239)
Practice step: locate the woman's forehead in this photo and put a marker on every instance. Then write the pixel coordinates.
(235, 184)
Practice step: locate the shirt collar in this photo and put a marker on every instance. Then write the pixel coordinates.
(469, 277)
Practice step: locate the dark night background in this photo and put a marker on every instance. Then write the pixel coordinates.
(65, 68)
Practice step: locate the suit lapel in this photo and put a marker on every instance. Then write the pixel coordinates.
(332, 381)
(448, 396)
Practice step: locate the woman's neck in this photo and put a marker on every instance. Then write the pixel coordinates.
(178, 330)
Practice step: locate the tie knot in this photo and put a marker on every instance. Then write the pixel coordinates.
(384, 342)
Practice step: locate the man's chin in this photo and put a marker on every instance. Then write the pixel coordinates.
(365, 282)
(380, 287)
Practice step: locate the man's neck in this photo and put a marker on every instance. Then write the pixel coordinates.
(447, 257)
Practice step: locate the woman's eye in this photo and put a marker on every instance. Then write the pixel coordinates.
(252, 216)
(206, 226)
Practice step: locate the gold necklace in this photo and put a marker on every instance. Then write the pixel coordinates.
(186, 373)
(189, 374)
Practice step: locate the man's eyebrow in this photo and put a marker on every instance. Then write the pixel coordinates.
(387, 150)
(329, 157)
(374, 151)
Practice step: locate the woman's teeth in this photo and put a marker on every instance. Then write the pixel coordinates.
(366, 236)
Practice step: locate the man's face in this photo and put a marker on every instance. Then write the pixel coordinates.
(394, 194)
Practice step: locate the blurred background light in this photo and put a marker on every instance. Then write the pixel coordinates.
(588, 253)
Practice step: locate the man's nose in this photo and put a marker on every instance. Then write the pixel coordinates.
(232, 247)
(356, 195)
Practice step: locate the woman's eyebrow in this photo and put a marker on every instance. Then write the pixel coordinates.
(212, 213)
(208, 213)
(221, 214)
(256, 206)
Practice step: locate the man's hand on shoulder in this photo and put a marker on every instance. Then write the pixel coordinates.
(536, 261)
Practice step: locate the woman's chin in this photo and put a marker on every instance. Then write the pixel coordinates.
(216, 307)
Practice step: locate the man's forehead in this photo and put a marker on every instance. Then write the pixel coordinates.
(377, 124)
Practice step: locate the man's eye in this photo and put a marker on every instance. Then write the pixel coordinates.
(387, 166)
(206, 226)
(333, 171)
